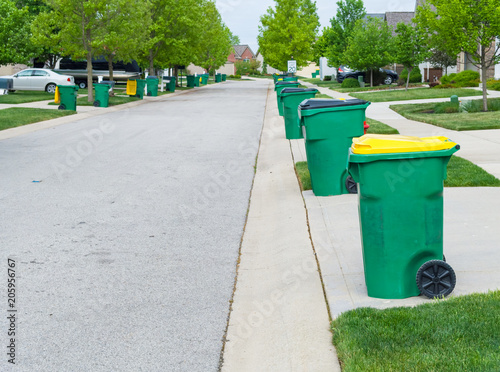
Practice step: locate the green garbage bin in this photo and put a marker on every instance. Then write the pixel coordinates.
(191, 81)
(291, 78)
(204, 79)
(68, 94)
(280, 85)
(328, 126)
(101, 94)
(278, 77)
(224, 77)
(141, 84)
(170, 83)
(197, 80)
(218, 78)
(152, 83)
(290, 100)
(400, 182)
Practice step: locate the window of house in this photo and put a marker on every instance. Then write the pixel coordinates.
(246, 60)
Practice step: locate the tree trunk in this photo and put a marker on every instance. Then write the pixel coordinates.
(408, 78)
(110, 68)
(89, 76)
(371, 78)
(151, 63)
(484, 70)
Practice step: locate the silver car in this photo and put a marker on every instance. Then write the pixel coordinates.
(39, 79)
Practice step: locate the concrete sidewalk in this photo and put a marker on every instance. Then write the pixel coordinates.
(279, 319)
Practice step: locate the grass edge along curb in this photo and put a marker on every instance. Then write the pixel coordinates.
(461, 173)
(456, 121)
(18, 116)
(456, 334)
(417, 93)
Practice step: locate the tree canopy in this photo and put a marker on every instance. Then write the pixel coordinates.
(469, 26)
(288, 31)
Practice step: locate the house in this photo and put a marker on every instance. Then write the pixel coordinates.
(241, 53)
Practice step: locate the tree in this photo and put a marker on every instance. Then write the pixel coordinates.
(442, 59)
(235, 39)
(173, 33)
(320, 47)
(341, 28)
(411, 46)
(370, 46)
(215, 41)
(45, 34)
(121, 36)
(469, 26)
(287, 32)
(14, 34)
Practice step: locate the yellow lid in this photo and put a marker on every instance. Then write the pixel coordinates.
(386, 144)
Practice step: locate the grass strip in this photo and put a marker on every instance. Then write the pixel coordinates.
(18, 116)
(461, 173)
(456, 334)
(454, 121)
(25, 97)
(419, 93)
(376, 127)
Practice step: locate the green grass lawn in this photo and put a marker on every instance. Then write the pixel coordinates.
(323, 96)
(457, 334)
(455, 121)
(376, 127)
(332, 84)
(20, 96)
(367, 88)
(17, 116)
(423, 93)
(461, 173)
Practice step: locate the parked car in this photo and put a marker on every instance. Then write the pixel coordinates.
(39, 79)
(345, 72)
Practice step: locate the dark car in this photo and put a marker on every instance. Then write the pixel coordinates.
(345, 72)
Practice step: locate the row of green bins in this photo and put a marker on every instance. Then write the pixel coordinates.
(400, 181)
(224, 77)
(218, 78)
(278, 77)
(135, 88)
(152, 83)
(66, 97)
(101, 94)
(278, 87)
(290, 100)
(328, 126)
(170, 83)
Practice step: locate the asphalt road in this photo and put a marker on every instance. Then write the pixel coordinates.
(125, 230)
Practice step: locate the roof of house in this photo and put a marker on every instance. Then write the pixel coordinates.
(393, 18)
(240, 49)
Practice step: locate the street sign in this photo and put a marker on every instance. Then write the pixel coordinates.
(292, 66)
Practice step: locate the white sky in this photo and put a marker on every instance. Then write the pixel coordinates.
(243, 16)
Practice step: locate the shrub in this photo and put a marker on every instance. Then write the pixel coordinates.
(415, 76)
(433, 84)
(327, 78)
(350, 83)
(493, 84)
(465, 78)
(443, 86)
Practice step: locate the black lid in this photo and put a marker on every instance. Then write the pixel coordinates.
(298, 90)
(312, 104)
(286, 82)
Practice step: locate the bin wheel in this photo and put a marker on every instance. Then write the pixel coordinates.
(97, 103)
(436, 279)
(62, 107)
(351, 185)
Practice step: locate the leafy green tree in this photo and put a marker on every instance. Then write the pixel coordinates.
(320, 47)
(14, 34)
(235, 39)
(370, 46)
(341, 28)
(287, 32)
(215, 42)
(411, 46)
(173, 33)
(469, 26)
(121, 36)
(45, 34)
